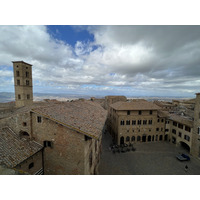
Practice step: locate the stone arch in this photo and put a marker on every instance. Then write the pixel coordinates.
(127, 139)
(138, 138)
(122, 140)
(149, 138)
(160, 137)
(185, 146)
(144, 137)
(24, 134)
(133, 138)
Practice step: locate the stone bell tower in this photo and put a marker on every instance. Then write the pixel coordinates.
(23, 83)
(195, 149)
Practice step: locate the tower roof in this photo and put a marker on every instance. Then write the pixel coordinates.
(21, 62)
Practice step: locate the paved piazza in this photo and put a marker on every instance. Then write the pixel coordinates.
(157, 158)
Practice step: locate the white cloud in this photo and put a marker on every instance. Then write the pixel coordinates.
(139, 57)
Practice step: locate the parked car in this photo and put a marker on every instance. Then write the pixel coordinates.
(183, 157)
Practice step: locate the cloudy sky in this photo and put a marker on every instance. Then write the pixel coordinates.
(104, 60)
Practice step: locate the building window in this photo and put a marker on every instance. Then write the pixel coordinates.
(139, 112)
(162, 120)
(28, 96)
(127, 139)
(122, 122)
(180, 126)
(167, 122)
(128, 112)
(127, 122)
(133, 122)
(150, 112)
(179, 134)
(149, 130)
(150, 121)
(17, 73)
(157, 129)
(161, 129)
(139, 122)
(90, 159)
(48, 144)
(138, 138)
(87, 138)
(24, 124)
(19, 96)
(39, 119)
(186, 137)
(31, 165)
(27, 74)
(198, 130)
(173, 131)
(144, 122)
(27, 82)
(160, 138)
(166, 130)
(18, 82)
(174, 123)
(187, 128)
(158, 120)
(133, 138)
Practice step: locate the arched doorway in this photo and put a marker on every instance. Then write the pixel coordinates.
(133, 138)
(127, 139)
(138, 138)
(153, 138)
(166, 137)
(144, 138)
(149, 138)
(185, 146)
(161, 137)
(122, 140)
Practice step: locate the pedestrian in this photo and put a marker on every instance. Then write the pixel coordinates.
(186, 168)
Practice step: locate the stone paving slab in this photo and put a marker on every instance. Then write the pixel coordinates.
(154, 158)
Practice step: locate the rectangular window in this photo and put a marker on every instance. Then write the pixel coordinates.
(150, 121)
(27, 82)
(19, 96)
(18, 82)
(166, 130)
(90, 159)
(87, 138)
(150, 112)
(180, 126)
(127, 122)
(139, 122)
(28, 96)
(162, 120)
(144, 122)
(17, 73)
(128, 112)
(186, 137)
(48, 144)
(39, 119)
(122, 122)
(27, 74)
(31, 165)
(139, 112)
(133, 122)
(199, 130)
(174, 123)
(158, 120)
(187, 128)
(157, 129)
(24, 124)
(179, 134)
(173, 131)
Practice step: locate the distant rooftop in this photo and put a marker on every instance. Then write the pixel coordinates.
(181, 119)
(21, 62)
(135, 105)
(83, 116)
(14, 150)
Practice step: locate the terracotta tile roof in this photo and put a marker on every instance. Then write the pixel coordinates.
(86, 117)
(181, 120)
(14, 150)
(163, 113)
(135, 105)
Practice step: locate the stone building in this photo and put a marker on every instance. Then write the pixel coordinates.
(180, 130)
(23, 83)
(135, 121)
(113, 99)
(196, 131)
(70, 132)
(20, 153)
